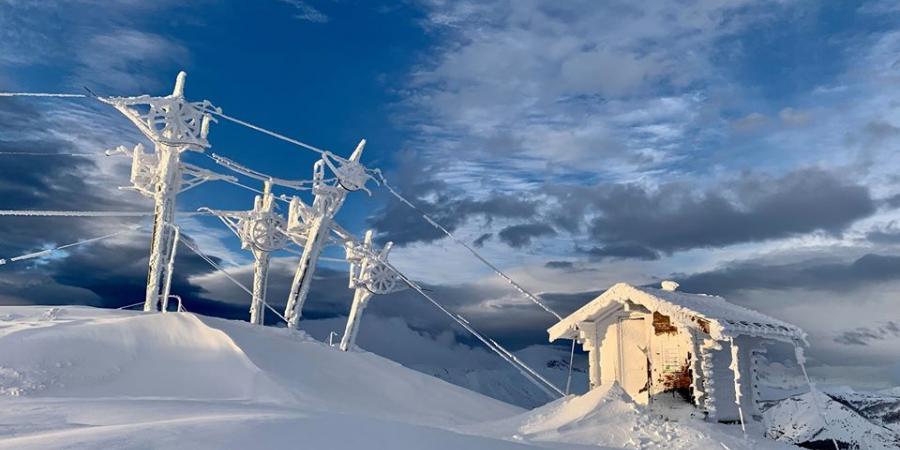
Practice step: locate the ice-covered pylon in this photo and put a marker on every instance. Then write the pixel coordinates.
(174, 125)
(368, 276)
(262, 231)
(310, 226)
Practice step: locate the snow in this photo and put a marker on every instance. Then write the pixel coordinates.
(92, 378)
(796, 420)
(726, 319)
(80, 377)
(606, 417)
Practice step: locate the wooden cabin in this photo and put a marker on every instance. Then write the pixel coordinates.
(654, 341)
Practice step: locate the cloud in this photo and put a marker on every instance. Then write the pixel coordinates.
(305, 11)
(750, 123)
(751, 208)
(574, 87)
(559, 264)
(396, 222)
(518, 236)
(110, 46)
(126, 60)
(865, 335)
(792, 117)
(809, 275)
(621, 251)
(482, 239)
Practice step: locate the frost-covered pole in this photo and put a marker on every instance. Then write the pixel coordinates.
(262, 231)
(368, 276)
(164, 217)
(170, 268)
(360, 300)
(361, 297)
(260, 281)
(328, 200)
(174, 126)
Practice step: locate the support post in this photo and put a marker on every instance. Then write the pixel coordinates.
(318, 233)
(360, 300)
(260, 279)
(174, 125)
(326, 204)
(164, 217)
(368, 276)
(170, 269)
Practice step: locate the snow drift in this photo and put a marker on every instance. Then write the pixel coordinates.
(80, 377)
(89, 378)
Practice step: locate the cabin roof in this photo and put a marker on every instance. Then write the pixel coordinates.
(707, 313)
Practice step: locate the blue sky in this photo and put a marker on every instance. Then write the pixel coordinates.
(743, 148)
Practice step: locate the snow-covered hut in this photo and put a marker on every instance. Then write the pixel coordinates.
(652, 341)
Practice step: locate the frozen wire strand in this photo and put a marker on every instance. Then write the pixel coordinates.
(255, 174)
(496, 270)
(212, 263)
(210, 111)
(529, 369)
(40, 94)
(56, 213)
(265, 131)
(812, 390)
(49, 154)
(571, 360)
(62, 247)
(131, 305)
(464, 323)
(239, 184)
(50, 213)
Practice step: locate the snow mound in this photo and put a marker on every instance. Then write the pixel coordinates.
(80, 377)
(72, 353)
(797, 420)
(356, 382)
(607, 417)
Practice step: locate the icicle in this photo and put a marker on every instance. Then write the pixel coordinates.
(736, 370)
(706, 364)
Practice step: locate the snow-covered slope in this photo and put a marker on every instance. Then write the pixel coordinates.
(882, 407)
(82, 377)
(606, 417)
(505, 383)
(473, 368)
(79, 377)
(796, 419)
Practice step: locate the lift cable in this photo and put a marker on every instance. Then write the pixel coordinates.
(474, 252)
(65, 246)
(526, 371)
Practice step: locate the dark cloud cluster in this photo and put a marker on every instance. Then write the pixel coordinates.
(398, 223)
(866, 335)
(620, 251)
(633, 221)
(521, 235)
(832, 275)
(46, 182)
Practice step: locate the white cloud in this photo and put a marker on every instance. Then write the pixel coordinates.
(305, 11)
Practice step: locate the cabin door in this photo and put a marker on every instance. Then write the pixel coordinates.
(632, 358)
